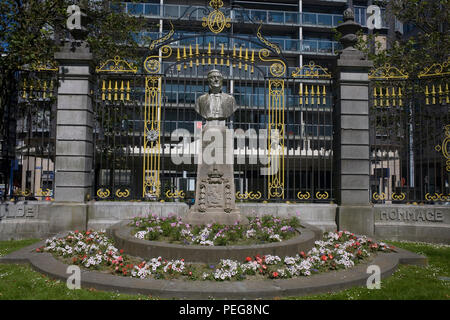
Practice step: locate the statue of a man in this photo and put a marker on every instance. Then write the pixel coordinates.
(215, 105)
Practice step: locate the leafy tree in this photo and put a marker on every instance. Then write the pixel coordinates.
(428, 43)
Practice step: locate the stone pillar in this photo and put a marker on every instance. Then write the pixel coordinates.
(351, 144)
(74, 136)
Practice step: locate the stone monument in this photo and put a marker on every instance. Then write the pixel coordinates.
(215, 191)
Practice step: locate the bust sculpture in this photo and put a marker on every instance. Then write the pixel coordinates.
(215, 190)
(215, 105)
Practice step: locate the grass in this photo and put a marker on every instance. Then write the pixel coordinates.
(22, 282)
(407, 283)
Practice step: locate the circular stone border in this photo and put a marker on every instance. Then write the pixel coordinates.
(121, 235)
(247, 289)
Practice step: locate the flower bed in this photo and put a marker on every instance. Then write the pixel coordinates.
(171, 229)
(93, 250)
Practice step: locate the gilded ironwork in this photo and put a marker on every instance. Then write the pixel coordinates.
(42, 193)
(123, 194)
(152, 63)
(267, 42)
(304, 196)
(37, 89)
(177, 194)
(398, 196)
(311, 70)
(103, 193)
(387, 96)
(437, 69)
(379, 196)
(164, 38)
(216, 20)
(387, 72)
(276, 120)
(277, 68)
(322, 195)
(444, 147)
(152, 147)
(248, 195)
(48, 66)
(25, 192)
(117, 65)
(437, 197)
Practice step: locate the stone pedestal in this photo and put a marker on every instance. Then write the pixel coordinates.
(215, 191)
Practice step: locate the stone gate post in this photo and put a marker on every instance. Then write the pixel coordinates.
(74, 132)
(351, 147)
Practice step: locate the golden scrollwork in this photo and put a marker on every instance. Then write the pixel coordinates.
(437, 197)
(437, 69)
(25, 192)
(152, 63)
(278, 67)
(387, 72)
(48, 66)
(103, 193)
(177, 194)
(276, 128)
(379, 196)
(398, 196)
(248, 195)
(46, 193)
(274, 46)
(444, 147)
(303, 196)
(322, 195)
(152, 130)
(123, 194)
(216, 20)
(164, 38)
(311, 70)
(116, 65)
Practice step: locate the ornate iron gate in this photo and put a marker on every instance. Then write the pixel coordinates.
(146, 145)
(410, 136)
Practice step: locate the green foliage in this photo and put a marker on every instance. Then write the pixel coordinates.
(31, 31)
(259, 230)
(428, 45)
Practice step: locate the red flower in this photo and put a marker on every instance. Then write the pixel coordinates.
(121, 251)
(359, 252)
(264, 267)
(324, 258)
(330, 256)
(336, 245)
(76, 231)
(302, 254)
(275, 274)
(38, 250)
(190, 273)
(88, 233)
(357, 243)
(248, 259)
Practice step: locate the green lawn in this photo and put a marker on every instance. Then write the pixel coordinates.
(408, 282)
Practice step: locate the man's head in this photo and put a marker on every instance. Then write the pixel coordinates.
(215, 79)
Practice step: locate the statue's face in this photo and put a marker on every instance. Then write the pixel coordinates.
(215, 81)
